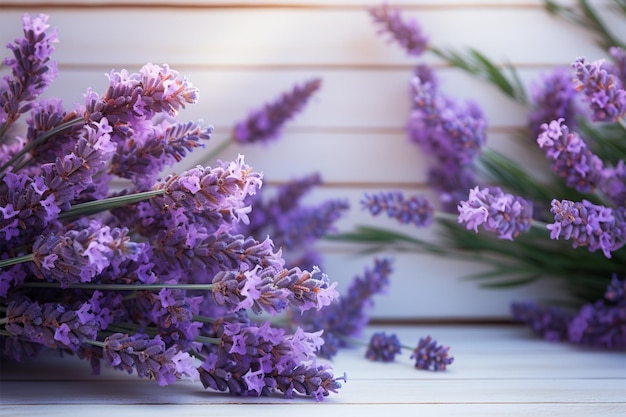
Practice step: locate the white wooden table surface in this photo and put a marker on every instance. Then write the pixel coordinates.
(498, 371)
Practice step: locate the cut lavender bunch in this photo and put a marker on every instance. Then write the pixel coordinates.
(155, 278)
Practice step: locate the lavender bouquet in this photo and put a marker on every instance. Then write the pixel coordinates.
(157, 278)
(571, 227)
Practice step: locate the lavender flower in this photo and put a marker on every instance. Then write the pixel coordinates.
(589, 225)
(613, 184)
(598, 324)
(604, 92)
(450, 131)
(76, 255)
(149, 358)
(258, 360)
(50, 324)
(618, 55)
(346, 317)
(416, 209)
(553, 99)
(429, 355)
(571, 158)
(407, 33)
(383, 347)
(32, 69)
(496, 211)
(266, 123)
(548, 322)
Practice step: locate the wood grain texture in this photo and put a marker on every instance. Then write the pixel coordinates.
(498, 370)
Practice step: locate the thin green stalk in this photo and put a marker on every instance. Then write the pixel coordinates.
(218, 149)
(42, 138)
(96, 206)
(121, 287)
(94, 343)
(17, 260)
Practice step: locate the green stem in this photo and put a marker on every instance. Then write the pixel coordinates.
(43, 137)
(18, 260)
(218, 149)
(208, 340)
(121, 287)
(97, 206)
(94, 343)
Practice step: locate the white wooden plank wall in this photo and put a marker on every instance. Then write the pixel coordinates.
(243, 53)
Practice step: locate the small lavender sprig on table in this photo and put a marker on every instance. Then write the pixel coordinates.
(428, 354)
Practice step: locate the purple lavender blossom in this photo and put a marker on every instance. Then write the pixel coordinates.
(149, 358)
(618, 55)
(153, 148)
(553, 99)
(589, 225)
(604, 92)
(292, 225)
(429, 355)
(31, 67)
(416, 209)
(613, 184)
(548, 322)
(74, 256)
(601, 324)
(572, 160)
(259, 359)
(383, 347)
(50, 324)
(496, 211)
(266, 123)
(450, 131)
(346, 317)
(405, 32)
(221, 189)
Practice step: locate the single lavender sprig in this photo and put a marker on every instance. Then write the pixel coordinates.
(429, 355)
(347, 316)
(604, 92)
(32, 69)
(383, 347)
(407, 33)
(50, 324)
(148, 357)
(416, 209)
(571, 158)
(589, 225)
(252, 359)
(266, 123)
(553, 99)
(496, 211)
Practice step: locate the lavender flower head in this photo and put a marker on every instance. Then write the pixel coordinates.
(416, 209)
(553, 99)
(266, 123)
(32, 69)
(429, 355)
(496, 211)
(383, 347)
(407, 33)
(571, 158)
(589, 225)
(604, 91)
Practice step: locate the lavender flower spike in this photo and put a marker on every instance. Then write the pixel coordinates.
(416, 210)
(383, 347)
(406, 32)
(605, 92)
(498, 212)
(589, 225)
(431, 356)
(571, 158)
(266, 123)
(32, 69)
